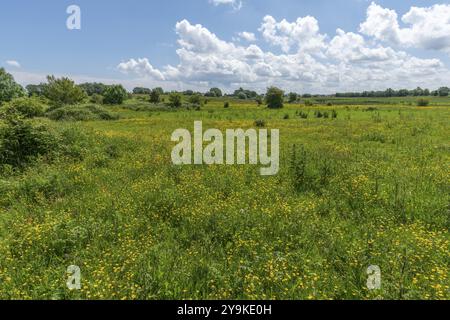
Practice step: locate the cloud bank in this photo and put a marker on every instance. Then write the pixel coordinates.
(308, 60)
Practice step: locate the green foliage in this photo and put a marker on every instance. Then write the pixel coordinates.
(423, 102)
(175, 100)
(9, 89)
(155, 96)
(292, 97)
(35, 89)
(96, 99)
(226, 105)
(443, 91)
(308, 103)
(115, 94)
(93, 88)
(22, 142)
(260, 123)
(196, 100)
(274, 98)
(81, 113)
(25, 107)
(214, 92)
(63, 91)
(141, 90)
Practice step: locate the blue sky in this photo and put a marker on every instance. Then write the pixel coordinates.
(34, 34)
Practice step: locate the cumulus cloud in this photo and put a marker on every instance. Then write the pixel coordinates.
(141, 67)
(246, 36)
(302, 34)
(427, 28)
(309, 62)
(13, 63)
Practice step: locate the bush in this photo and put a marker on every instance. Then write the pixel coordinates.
(308, 103)
(226, 105)
(260, 123)
(155, 96)
(96, 98)
(63, 91)
(86, 113)
(25, 107)
(423, 103)
(9, 89)
(274, 98)
(303, 115)
(196, 100)
(115, 94)
(175, 100)
(293, 97)
(21, 142)
(334, 114)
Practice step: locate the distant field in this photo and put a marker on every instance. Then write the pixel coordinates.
(367, 188)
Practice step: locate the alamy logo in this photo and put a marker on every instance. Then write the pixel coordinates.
(235, 147)
(74, 20)
(373, 277)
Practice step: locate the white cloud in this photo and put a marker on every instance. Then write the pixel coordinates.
(310, 62)
(13, 63)
(246, 36)
(141, 67)
(428, 28)
(236, 4)
(303, 34)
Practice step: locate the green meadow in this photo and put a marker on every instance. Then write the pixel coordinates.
(369, 186)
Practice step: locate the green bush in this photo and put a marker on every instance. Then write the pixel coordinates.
(21, 142)
(25, 107)
(226, 105)
(9, 89)
(81, 113)
(63, 91)
(115, 94)
(423, 103)
(96, 98)
(274, 98)
(260, 123)
(175, 100)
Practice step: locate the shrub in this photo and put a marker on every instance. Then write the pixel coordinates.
(155, 96)
(318, 114)
(274, 98)
(308, 103)
(21, 142)
(260, 123)
(175, 100)
(226, 105)
(9, 89)
(115, 94)
(63, 91)
(87, 113)
(196, 100)
(96, 98)
(293, 97)
(423, 103)
(334, 114)
(25, 107)
(303, 115)
(93, 88)
(286, 117)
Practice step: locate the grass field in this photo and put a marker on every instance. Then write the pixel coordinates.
(367, 188)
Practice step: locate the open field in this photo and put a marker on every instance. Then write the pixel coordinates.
(367, 188)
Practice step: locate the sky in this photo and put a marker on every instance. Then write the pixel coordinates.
(306, 46)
